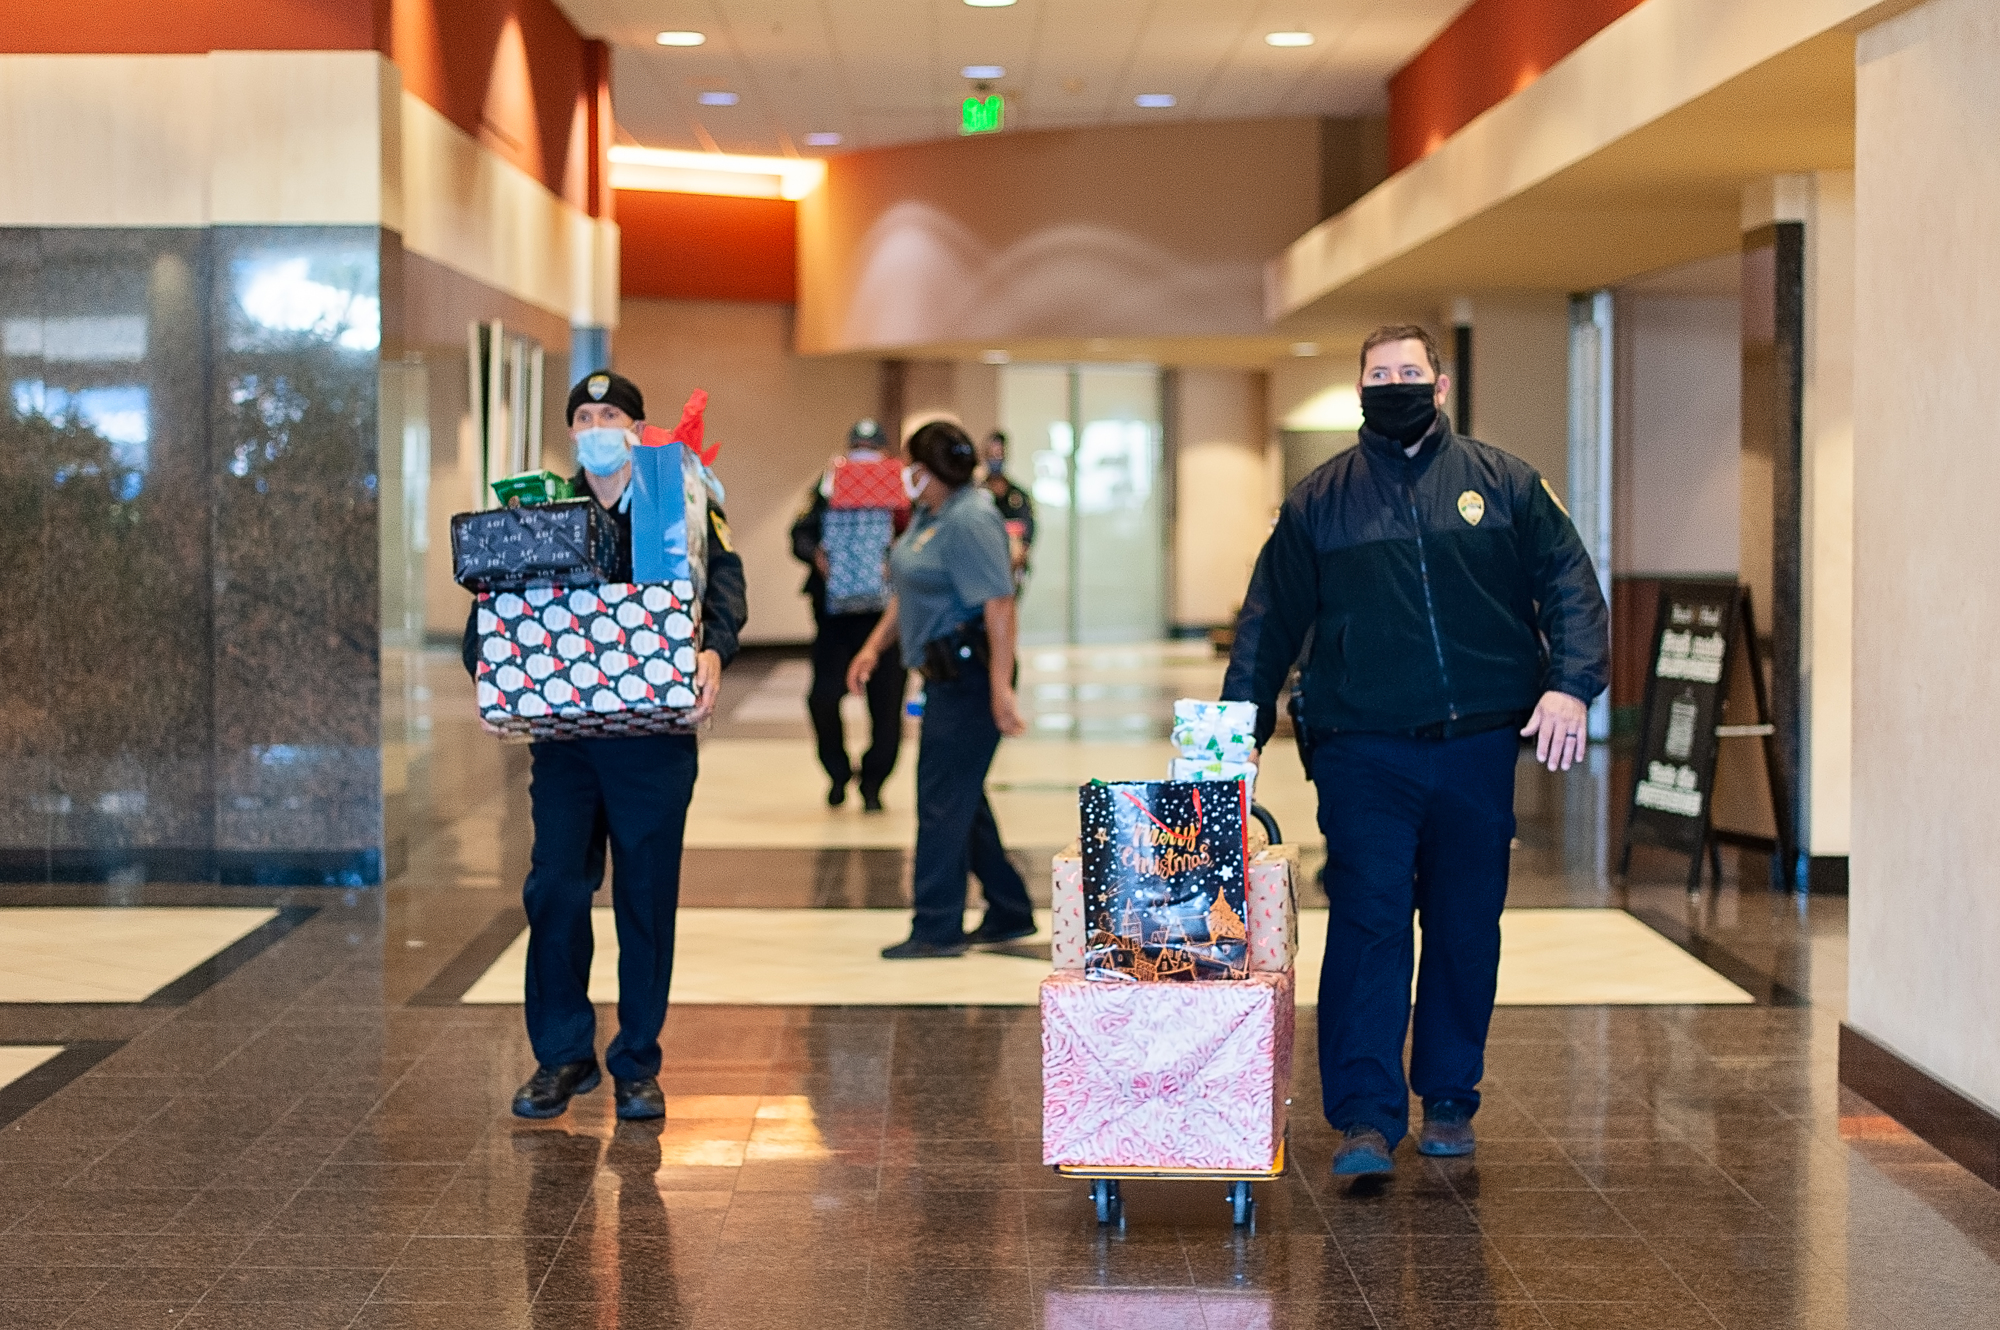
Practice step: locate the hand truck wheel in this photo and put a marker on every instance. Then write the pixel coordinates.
(1110, 1205)
(1242, 1208)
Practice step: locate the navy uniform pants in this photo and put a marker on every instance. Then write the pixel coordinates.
(840, 636)
(1423, 827)
(635, 790)
(956, 833)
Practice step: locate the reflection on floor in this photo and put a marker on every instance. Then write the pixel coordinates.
(121, 955)
(310, 1141)
(17, 1060)
(787, 957)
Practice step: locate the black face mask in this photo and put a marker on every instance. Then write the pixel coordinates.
(1400, 411)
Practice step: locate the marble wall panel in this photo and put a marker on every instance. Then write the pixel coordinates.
(296, 325)
(105, 746)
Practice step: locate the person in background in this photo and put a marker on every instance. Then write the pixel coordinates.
(1453, 611)
(836, 637)
(1017, 510)
(633, 790)
(953, 610)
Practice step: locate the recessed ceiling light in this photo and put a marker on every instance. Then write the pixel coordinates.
(824, 139)
(1288, 39)
(1305, 349)
(989, 4)
(680, 39)
(718, 99)
(983, 72)
(1153, 99)
(994, 357)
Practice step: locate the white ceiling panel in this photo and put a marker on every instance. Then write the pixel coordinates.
(879, 72)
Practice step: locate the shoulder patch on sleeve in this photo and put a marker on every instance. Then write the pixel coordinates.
(721, 529)
(1557, 498)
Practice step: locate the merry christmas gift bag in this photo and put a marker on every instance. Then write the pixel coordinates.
(1164, 884)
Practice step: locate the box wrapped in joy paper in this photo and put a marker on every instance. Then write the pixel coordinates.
(615, 659)
(1165, 1075)
(1201, 768)
(539, 545)
(1215, 731)
(1271, 912)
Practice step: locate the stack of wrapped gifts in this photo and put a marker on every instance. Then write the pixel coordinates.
(865, 506)
(564, 651)
(1167, 1025)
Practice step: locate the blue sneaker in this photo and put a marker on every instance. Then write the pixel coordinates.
(1447, 1129)
(1363, 1152)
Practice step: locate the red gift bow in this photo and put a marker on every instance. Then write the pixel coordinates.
(687, 432)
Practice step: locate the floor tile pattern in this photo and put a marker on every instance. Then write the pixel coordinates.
(299, 1146)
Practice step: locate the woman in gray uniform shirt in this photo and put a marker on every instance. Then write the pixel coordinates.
(953, 611)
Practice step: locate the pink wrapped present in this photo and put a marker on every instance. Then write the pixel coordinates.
(1188, 1075)
(1151, 1308)
(1066, 930)
(1273, 913)
(1273, 910)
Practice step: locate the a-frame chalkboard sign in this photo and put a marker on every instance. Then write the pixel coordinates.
(1703, 638)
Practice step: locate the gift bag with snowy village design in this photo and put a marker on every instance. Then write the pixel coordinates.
(1163, 880)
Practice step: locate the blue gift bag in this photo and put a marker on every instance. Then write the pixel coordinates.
(669, 516)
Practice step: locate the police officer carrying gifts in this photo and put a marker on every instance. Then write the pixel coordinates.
(600, 633)
(1452, 611)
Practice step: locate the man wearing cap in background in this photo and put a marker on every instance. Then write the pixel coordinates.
(633, 791)
(836, 639)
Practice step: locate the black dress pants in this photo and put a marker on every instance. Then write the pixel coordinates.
(840, 637)
(1415, 828)
(635, 790)
(956, 833)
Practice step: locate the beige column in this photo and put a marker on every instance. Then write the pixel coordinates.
(1226, 479)
(1823, 202)
(1925, 907)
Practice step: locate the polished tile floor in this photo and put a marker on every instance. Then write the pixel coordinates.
(307, 1126)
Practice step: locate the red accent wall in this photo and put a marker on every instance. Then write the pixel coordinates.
(1488, 53)
(184, 27)
(707, 247)
(513, 74)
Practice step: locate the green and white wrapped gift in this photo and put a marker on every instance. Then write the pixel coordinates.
(1215, 731)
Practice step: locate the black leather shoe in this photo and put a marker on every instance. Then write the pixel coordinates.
(836, 795)
(549, 1090)
(1447, 1130)
(990, 932)
(871, 801)
(912, 950)
(639, 1100)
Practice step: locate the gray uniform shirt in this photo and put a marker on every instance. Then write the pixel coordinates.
(947, 566)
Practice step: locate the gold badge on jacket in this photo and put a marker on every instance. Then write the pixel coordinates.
(1472, 507)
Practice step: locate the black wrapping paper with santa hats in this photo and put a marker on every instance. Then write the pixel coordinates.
(1163, 880)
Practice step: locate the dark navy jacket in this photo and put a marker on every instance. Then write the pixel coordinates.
(1442, 594)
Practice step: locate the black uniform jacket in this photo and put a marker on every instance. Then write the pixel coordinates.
(725, 606)
(807, 532)
(1443, 594)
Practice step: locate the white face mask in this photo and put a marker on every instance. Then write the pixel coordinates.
(913, 484)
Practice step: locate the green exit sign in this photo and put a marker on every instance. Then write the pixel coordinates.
(982, 115)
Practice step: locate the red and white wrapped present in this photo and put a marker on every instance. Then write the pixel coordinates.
(868, 483)
(1272, 918)
(1183, 1075)
(613, 659)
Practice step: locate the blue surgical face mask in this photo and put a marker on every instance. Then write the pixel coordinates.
(602, 451)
